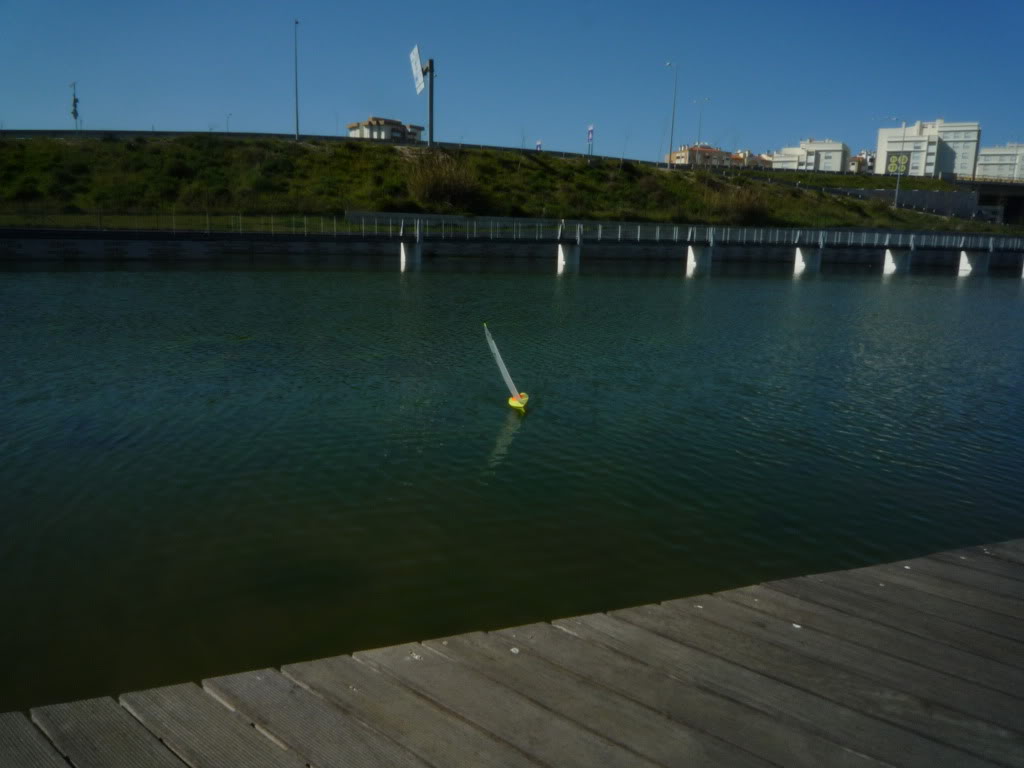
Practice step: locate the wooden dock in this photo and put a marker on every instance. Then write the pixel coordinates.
(916, 663)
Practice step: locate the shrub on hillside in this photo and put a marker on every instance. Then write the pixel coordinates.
(438, 181)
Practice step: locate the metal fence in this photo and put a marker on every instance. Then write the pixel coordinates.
(370, 225)
(495, 228)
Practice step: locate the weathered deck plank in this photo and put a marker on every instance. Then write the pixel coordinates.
(1011, 551)
(911, 576)
(203, 732)
(977, 560)
(909, 598)
(881, 639)
(918, 663)
(896, 615)
(761, 734)
(944, 690)
(503, 712)
(22, 745)
(414, 722)
(315, 729)
(599, 710)
(995, 584)
(97, 733)
(832, 681)
(866, 734)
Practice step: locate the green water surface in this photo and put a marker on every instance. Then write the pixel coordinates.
(210, 470)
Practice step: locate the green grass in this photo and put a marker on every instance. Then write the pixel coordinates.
(153, 182)
(853, 180)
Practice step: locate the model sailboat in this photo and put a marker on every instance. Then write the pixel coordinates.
(518, 399)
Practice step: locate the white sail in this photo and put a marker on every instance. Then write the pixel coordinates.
(501, 364)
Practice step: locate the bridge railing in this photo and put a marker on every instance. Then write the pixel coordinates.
(367, 225)
(457, 227)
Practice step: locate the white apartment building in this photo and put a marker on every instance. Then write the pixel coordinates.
(1002, 163)
(928, 149)
(384, 129)
(813, 155)
(862, 162)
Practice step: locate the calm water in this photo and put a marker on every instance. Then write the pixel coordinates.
(210, 470)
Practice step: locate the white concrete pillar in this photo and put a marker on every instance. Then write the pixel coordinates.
(807, 260)
(973, 263)
(410, 255)
(698, 260)
(897, 261)
(568, 257)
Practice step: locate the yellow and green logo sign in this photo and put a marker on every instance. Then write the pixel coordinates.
(897, 163)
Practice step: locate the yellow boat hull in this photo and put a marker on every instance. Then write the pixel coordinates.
(519, 404)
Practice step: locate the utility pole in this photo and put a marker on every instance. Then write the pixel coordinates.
(430, 96)
(899, 165)
(296, 28)
(903, 148)
(418, 71)
(700, 118)
(672, 129)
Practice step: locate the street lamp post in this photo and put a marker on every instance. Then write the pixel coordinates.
(700, 118)
(899, 166)
(672, 128)
(296, 28)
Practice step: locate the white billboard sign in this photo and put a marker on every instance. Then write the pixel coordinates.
(417, 69)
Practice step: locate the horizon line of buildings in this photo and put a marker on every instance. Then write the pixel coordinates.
(935, 149)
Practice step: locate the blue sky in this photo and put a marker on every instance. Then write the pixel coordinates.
(515, 73)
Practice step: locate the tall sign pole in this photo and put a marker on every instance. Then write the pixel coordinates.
(418, 71)
(672, 129)
(296, 28)
(430, 96)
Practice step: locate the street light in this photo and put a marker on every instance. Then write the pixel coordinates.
(296, 28)
(700, 119)
(672, 129)
(899, 166)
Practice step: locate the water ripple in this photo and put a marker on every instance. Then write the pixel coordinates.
(329, 453)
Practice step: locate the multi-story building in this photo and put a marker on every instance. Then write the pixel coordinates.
(813, 155)
(1002, 163)
(862, 162)
(703, 155)
(928, 149)
(744, 158)
(384, 129)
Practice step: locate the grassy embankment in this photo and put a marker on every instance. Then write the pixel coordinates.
(74, 182)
